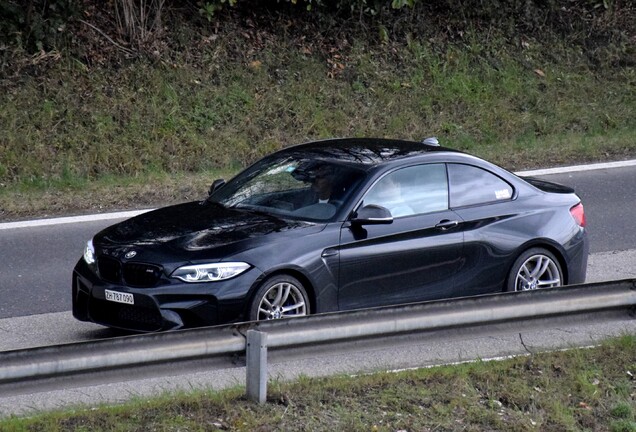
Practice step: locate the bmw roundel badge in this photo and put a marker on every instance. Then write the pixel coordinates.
(130, 254)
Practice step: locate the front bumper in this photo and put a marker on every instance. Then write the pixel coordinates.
(165, 307)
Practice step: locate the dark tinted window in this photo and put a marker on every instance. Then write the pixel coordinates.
(470, 185)
(413, 190)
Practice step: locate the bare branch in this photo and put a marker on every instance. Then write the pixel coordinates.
(126, 50)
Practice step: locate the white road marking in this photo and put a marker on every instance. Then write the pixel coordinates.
(129, 214)
(578, 168)
(71, 219)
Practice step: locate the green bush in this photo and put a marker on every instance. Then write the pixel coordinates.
(35, 25)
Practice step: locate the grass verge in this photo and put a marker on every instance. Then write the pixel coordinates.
(112, 193)
(582, 389)
(74, 195)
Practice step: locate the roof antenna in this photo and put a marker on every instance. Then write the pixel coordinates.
(432, 141)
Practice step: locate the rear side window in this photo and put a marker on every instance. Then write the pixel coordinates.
(470, 185)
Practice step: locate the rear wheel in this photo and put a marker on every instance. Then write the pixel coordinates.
(281, 296)
(534, 269)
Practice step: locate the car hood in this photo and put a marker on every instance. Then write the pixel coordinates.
(198, 226)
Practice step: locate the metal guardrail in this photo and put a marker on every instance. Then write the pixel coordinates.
(55, 364)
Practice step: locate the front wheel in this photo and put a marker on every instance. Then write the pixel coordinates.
(535, 268)
(279, 297)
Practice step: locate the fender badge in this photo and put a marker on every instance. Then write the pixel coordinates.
(130, 254)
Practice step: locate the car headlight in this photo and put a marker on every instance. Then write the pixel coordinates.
(89, 253)
(210, 272)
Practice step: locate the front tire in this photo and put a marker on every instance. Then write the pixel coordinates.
(278, 297)
(536, 268)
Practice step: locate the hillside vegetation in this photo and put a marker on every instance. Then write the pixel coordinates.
(94, 112)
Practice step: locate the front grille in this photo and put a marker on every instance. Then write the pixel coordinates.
(125, 316)
(141, 275)
(133, 274)
(109, 269)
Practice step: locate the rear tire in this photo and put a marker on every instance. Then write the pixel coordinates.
(536, 268)
(278, 297)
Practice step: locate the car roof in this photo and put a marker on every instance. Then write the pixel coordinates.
(364, 151)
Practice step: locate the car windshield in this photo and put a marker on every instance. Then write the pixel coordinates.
(294, 186)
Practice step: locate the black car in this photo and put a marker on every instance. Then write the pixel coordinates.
(333, 225)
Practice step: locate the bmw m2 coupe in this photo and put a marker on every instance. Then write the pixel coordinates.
(329, 226)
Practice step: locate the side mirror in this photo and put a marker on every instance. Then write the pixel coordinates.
(372, 214)
(216, 185)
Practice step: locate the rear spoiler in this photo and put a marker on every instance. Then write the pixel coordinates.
(547, 186)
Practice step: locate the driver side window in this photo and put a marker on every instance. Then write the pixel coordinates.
(409, 191)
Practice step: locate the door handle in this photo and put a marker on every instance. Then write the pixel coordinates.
(446, 224)
(329, 252)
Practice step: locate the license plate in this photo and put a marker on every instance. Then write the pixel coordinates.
(119, 297)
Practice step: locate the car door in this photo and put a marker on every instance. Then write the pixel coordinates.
(415, 257)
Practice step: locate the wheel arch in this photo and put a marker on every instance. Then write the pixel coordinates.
(548, 245)
(302, 278)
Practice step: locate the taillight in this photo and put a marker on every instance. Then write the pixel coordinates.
(578, 214)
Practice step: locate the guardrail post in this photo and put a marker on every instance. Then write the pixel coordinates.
(256, 356)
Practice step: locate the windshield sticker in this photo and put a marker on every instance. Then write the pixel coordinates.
(502, 194)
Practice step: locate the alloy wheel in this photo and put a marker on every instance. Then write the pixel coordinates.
(282, 300)
(538, 271)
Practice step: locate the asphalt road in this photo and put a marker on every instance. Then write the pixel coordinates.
(37, 262)
(609, 198)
